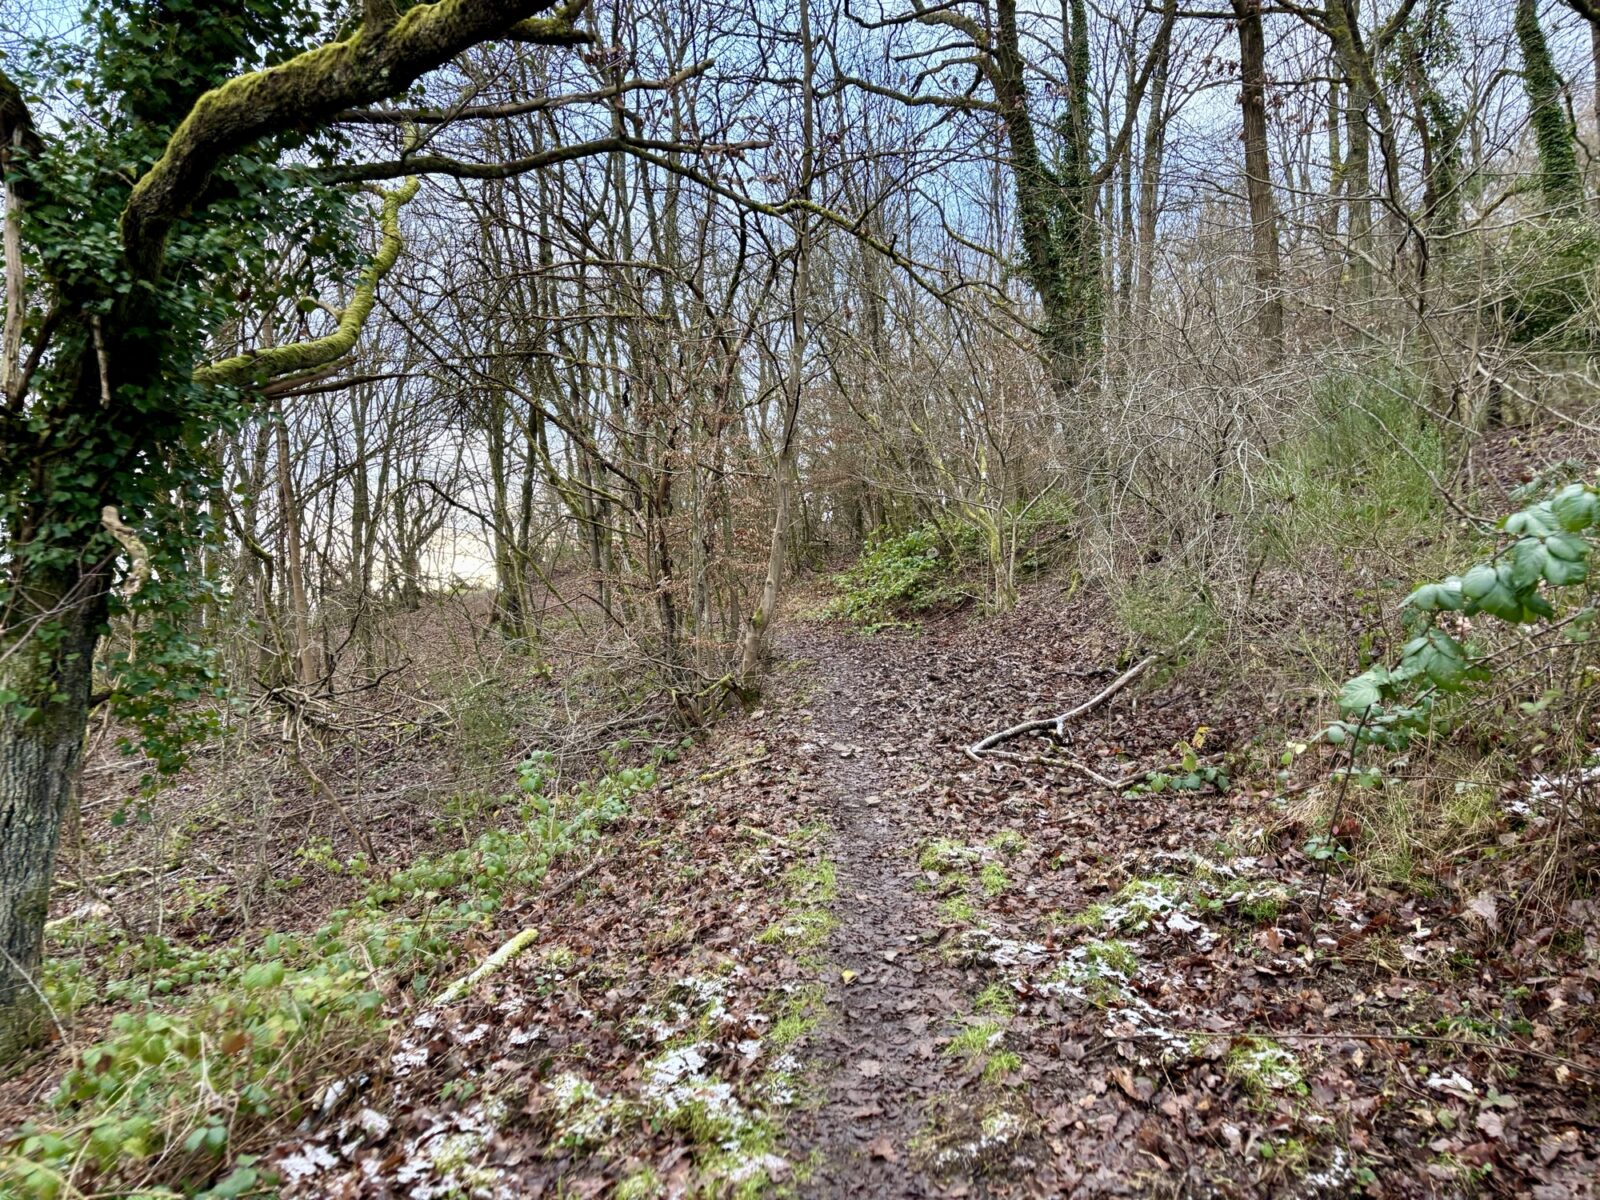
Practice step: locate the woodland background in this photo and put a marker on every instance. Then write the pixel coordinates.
(1216, 330)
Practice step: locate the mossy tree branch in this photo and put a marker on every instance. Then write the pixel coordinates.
(259, 366)
(311, 88)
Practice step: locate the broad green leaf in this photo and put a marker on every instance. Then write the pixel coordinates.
(1537, 521)
(1574, 507)
(1527, 562)
(1563, 572)
(1479, 582)
(1568, 546)
(1360, 693)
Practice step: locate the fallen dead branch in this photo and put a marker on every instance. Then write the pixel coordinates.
(485, 969)
(496, 961)
(1058, 723)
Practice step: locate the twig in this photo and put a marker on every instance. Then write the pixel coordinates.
(512, 948)
(332, 797)
(1338, 810)
(722, 772)
(1070, 764)
(1469, 1043)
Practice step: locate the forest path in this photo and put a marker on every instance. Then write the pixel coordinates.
(940, 1066)
(889, 995)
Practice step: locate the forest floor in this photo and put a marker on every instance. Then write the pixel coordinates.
(830, 955)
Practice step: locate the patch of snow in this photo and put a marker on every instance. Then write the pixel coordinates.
(756, 1165)
(310, 1160)
(409, 1057)
(675, 1064)
(1335, 1177)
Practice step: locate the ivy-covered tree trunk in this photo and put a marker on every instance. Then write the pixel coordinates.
(111, 416)
(41, 741)
(1054, 207)
(1560, 181)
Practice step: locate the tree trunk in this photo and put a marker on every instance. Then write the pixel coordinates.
(758, 627)
(305, 651)
(1155, 140)
(41, 743)
(1258, 175)
(1355, 172)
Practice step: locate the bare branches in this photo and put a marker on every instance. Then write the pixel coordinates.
(436, 164)
(488, 112)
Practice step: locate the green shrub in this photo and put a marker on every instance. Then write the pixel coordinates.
(1358, 475)
(901, 575)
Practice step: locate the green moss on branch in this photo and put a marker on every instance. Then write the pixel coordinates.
(258, 366)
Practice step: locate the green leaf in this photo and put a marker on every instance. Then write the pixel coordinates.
(1527, 562)
(263, 975)
(1536, 521)
(1479, 582)
(1574, 507)
(1563, 572)
(1360, 693)
(1568, 546)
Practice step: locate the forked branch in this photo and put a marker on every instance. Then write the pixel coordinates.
(1059, 722)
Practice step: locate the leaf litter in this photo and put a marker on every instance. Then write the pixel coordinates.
(832, 956)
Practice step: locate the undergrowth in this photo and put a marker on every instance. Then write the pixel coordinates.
(226, 1043)
(945, 563)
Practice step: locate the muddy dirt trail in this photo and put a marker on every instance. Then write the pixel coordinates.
(889, 997)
